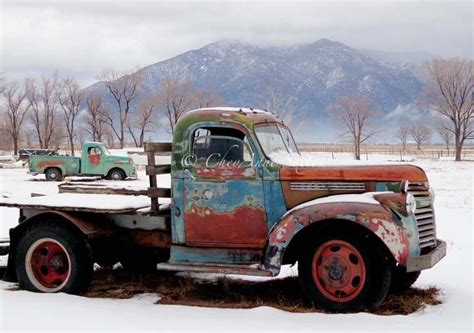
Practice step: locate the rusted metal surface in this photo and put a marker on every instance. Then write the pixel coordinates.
(94, 159)
(150, 238)
(92, 226)
(418, 263)
(225, 214)
(354, 173)
(49, 163)
(295, 196)
(215, 268)
(397, 233)
(215, 255)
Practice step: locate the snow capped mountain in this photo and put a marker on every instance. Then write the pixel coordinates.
(314, 75)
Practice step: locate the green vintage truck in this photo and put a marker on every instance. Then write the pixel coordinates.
(95, 160)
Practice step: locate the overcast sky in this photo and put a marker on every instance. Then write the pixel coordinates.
(82, 37)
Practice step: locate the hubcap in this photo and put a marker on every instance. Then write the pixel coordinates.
(338, 271)
(48, 265)
(116, 176)
(53, 175)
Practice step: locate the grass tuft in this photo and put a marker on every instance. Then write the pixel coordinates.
(284, 294)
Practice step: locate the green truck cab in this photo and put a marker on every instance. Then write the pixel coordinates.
(95, 160)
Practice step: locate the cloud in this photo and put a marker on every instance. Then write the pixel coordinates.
(83, 37)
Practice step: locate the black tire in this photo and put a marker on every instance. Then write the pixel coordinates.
(369, 277)
(54, 175)
(116, 174)
(401, 280)
(53, 258)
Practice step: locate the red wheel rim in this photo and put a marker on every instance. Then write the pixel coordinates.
(338, 271)
(50, 264)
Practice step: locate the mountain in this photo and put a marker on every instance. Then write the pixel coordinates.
(313, 75)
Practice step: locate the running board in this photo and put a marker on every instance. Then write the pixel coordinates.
(214, 268)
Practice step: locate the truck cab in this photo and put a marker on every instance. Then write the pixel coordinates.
(243, 202)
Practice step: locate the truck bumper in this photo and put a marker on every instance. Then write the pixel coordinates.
(134, 175)
(425, 261)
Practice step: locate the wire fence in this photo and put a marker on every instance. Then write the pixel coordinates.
(432, 152)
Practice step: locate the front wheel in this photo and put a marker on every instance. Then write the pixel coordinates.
(341, 273)
(402, 280)
(116, 174)
(52, 258)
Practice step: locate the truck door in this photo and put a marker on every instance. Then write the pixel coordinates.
(223, 192)
(92, 162)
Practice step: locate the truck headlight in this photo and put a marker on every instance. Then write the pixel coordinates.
(411, 204)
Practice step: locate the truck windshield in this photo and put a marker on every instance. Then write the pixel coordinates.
(105, 150)
(276, 139)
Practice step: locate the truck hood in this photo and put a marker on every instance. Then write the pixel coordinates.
(123, 159)
(389, 172)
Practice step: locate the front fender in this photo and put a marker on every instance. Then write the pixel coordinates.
(396, 231)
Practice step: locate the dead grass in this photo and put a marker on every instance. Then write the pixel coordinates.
(284, 294)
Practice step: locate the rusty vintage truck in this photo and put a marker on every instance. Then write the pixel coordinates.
(356, 232)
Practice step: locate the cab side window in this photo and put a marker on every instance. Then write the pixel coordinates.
(93, 151)
(212, 146)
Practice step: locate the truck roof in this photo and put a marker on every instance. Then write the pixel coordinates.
(248, 116)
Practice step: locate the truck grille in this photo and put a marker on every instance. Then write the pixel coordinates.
(327, 186)
(424, 214)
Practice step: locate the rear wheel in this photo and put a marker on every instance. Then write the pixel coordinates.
(53, 174)
(52, 258)
(341, 273)
(116, 174)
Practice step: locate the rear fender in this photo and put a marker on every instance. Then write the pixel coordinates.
(392, 228)
(88, 227)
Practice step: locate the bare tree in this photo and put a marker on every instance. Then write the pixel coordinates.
(420, 133)
(16, 108)
(69, 96)
(205, 98)
(96, 117)
(402, 134)
(44, 108)
(356, 114)
(124, 89)
(446, 133)
(449, 91)
(176, 97)
(282, 106)
(143, 121)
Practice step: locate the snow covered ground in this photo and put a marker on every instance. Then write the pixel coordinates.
(453, 184)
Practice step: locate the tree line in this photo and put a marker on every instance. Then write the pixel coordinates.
(52, 110)
(49, 111)
(448, 95)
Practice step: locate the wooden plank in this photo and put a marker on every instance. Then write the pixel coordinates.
(158, 169)
(71, 209)
(158, 147)
(99, 189)
(159, 192)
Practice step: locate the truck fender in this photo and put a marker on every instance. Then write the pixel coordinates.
(380, 220)
(87, 226)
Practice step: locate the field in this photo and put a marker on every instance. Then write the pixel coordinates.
(150, 306)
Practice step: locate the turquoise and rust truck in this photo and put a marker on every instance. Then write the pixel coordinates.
(356, 232)
(95, 160)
